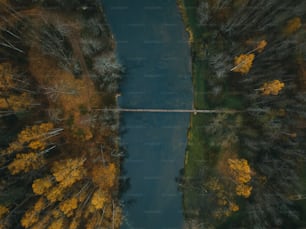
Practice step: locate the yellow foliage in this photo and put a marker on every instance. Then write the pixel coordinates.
(104, 176)
(68, 206)
(20, 102)
(3, 104)
(57, 224)
(40, 205)
(233, 207)
(26, 162)
(34, 132)
(29, 218)
(272, 87)
(55, 194)
(41, 186)
(92, 223)
(29, 134)
(74, 223)
(292, 26)
(42, 222)
(243, 190)
(243, 63)
(261, 45)
(37, 145)
(240, 170)
(98, 200)
(56, 213)
(68, 171)
(3, 211)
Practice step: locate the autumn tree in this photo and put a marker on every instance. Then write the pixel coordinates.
(34, 138)
(68, 206)
(292, 26)
(243, 63)
(30, 147)
(3, 211)
(240, 171)
(68, 171)
(42, 185)
(272, 87)
(26, 162)
(12, 97)
(261, 46)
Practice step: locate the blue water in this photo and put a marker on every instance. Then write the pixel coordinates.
(152, 46)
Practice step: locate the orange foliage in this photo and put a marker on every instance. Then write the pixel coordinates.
(68, 171)
(57, 224)
(41, 186)
(243, 63)
(55, 194)
(272, 87)
(241, 173)
(3, 211)
(243, 190)
(233, 207)
(240, 170)
(40, 205)
(292, 26)
(104, 176)
(26, 162)
(68, 206)
(20, 102)
(34, 137)
(99, 199)
(29, 218)
(74, 223)
(261, 46)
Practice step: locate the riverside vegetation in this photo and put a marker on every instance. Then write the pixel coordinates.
(246, 169)
(59, 154)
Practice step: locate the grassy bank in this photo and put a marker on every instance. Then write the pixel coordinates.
(257, 139)
(203, 151)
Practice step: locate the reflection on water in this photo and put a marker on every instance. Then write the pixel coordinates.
(152, 45)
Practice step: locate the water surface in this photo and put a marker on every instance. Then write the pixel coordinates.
(152, 45)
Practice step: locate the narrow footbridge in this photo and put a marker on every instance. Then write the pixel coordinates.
(149, 110)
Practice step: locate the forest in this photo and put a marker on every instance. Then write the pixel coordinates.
(59, 162)
(246, 169)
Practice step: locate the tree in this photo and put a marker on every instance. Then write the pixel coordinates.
(26, 162)
(104, 176)
(292, 26)
(272, 87)
(42, 185)
(29, 218)
(99, 199)
(57, 224)
(34, 137)
(261, 46)
(240, 170)
(241, 173)
(68, 206)
(3, 211)
(243, 63)
(68, 171)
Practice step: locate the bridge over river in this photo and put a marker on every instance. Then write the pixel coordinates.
(152, 110)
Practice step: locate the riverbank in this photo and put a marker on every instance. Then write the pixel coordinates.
(61, 161)
(215, 141)
(202, 153)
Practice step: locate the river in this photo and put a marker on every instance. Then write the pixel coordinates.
(152, 45)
